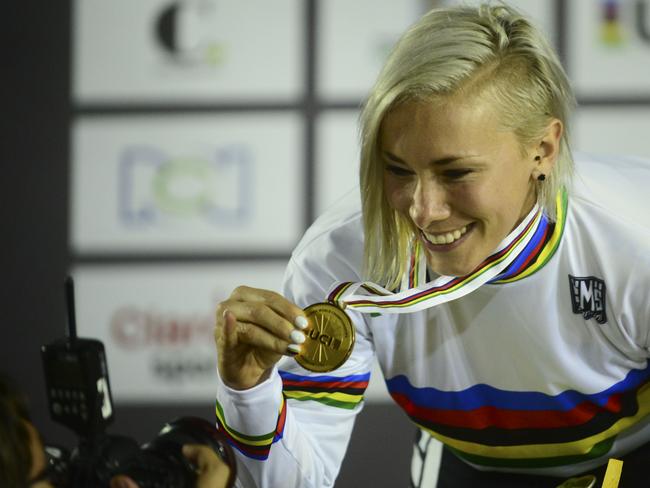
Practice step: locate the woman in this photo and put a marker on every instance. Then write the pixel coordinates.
(518, 331)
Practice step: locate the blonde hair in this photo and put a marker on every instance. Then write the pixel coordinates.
(491, 52)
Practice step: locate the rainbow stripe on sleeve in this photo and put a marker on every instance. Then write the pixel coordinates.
(342, 392)
(513, 429)
(255, 447)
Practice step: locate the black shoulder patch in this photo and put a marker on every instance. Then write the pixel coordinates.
(588, 297)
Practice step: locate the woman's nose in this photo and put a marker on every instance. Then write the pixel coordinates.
(429, 204)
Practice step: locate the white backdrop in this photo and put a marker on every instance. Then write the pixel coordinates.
(180, 51)
(187, 183)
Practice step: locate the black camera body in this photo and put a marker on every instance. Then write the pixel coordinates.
(79, 397)
(78, 390)
(156, 464)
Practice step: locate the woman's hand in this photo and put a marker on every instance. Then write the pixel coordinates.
(254, 329)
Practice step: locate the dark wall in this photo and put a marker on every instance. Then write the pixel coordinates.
(35, 84)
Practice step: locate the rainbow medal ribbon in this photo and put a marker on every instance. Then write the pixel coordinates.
(371, 298)
(330, 333)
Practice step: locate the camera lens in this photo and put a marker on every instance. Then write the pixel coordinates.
(161, 462)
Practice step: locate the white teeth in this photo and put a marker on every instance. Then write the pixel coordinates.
(446, 238)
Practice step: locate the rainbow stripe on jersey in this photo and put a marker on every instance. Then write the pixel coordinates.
(255, 447)
(541, 247)
(342, 392)
(335, 391)
(510, 429)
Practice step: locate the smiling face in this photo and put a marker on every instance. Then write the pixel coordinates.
(460, 180)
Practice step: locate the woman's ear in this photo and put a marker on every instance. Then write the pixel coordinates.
(549, 147)
(546, 152)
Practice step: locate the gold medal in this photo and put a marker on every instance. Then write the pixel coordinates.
(330, 338)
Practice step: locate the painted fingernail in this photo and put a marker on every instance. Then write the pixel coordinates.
(301, 322)
(293, 349)
(297, 337)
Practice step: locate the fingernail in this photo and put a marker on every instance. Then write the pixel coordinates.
(293, 348)
(301, 322)
(297, 337)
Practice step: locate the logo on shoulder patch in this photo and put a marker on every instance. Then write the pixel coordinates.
(588, 297)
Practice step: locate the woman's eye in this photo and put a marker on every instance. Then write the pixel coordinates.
(398, 170)
(456, 174)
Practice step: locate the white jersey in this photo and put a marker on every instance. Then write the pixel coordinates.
(542, 371)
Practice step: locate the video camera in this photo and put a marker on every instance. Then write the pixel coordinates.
(79, 397)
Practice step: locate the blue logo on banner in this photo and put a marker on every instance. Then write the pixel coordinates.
(154, 186)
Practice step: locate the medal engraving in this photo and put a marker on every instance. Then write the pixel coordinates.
(330, 338)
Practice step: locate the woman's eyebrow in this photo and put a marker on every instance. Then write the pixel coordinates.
(439, 162)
